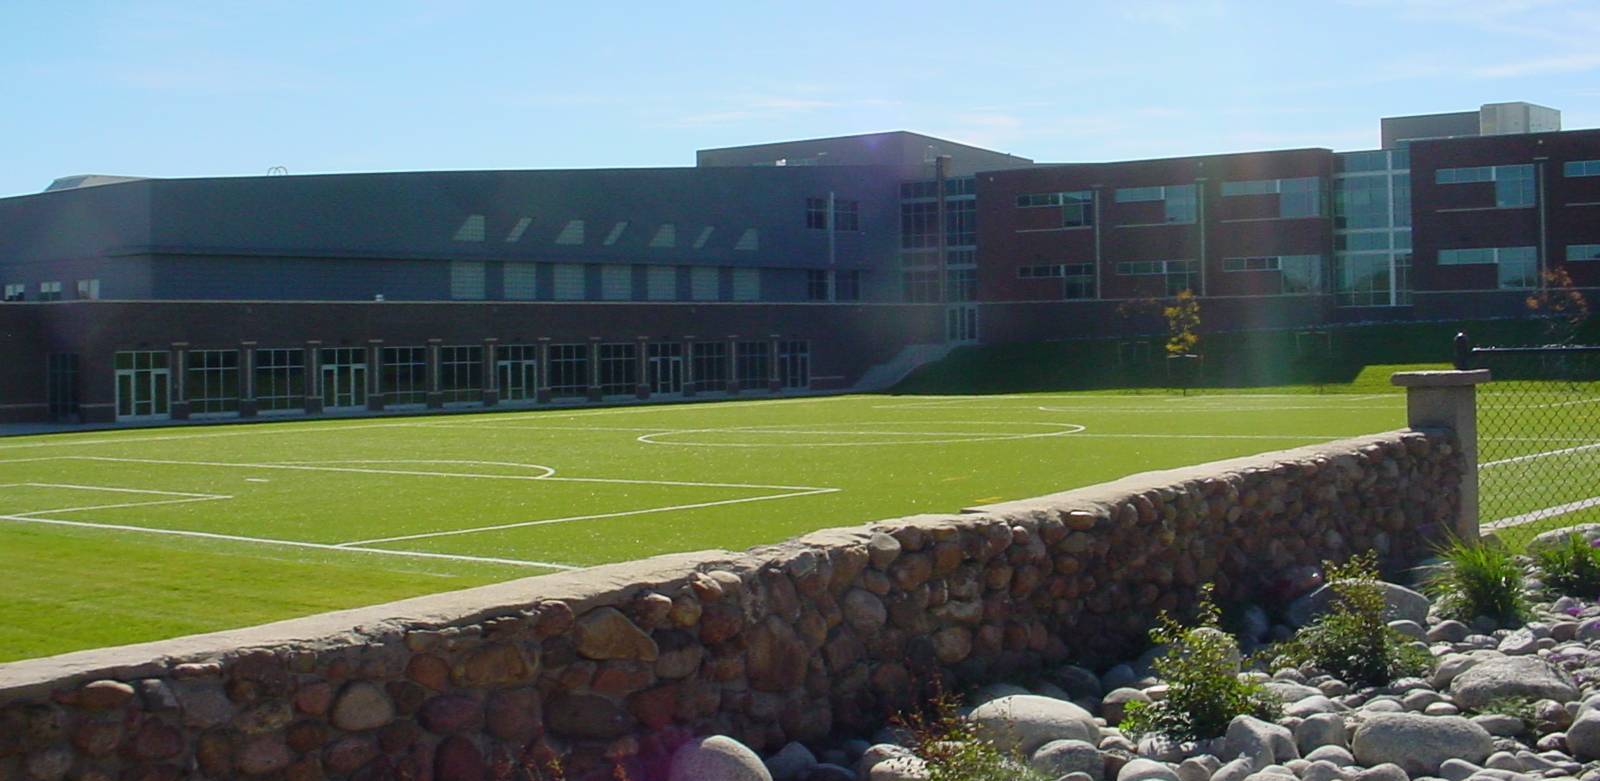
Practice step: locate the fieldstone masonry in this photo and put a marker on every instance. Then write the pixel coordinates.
(615, 667)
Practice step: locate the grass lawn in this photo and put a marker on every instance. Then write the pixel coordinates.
(135, 535)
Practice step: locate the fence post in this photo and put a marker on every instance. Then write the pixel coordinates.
(1448, 399)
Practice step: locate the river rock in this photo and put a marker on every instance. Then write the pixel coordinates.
(716, 758)
(1417, 743)
(1021, 723)
(1511, 677)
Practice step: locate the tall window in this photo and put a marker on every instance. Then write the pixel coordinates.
(961, 222)
(794, 364)
(619, 368)
(211, 381)
(1078, 281)
(747, 284)
(16, 291)
(569, 282)
(520, 281)
(817, 213)
(710, 365)
(921, 285)
(49, 291)
(846, 214)
(962, 283)
(88, 289)
(280, 379)
(569, 369)
(616, 282)
(461, 373)
(753, 365)
(405, 375)
(919, 225)
(63, 385)
(661, 283)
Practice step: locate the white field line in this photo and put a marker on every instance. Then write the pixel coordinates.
(1548, 512)
(1545, 454)
(596, 516)
(117, 506)
(285, 543)
(112, 489)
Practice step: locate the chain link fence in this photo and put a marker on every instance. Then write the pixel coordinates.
(1538, 438)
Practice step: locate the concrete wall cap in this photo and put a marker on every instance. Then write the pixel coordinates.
(1440, 379)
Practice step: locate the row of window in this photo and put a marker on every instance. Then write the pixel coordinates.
(846, 214)
(575, 232)
(1178, 200)
(1513, 184)
(846, 285)
(919, 224)
(88, 289)
(1518, 267)
(966, 185)
(279, 379)
(570, 282)
(1577, 168)
(1301, 197)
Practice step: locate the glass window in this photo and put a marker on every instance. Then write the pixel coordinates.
(521, 281)
(1466, 257)
(616, 233)
(1577, 252)
(846, 215)
(88, 289)
(661, 283)
(704, 283)
(461, 373)
(619, 368)
(1361, 202)
(920, 285)
(569, 282)
(569, 370)
(49, 291)
(280, 379)
(1402, 200)
(62, 385)
(211, 381)
(16, 291)
(1078, 281)
(1519, 267)
(1464, 175)
(616, 282)
(666, 236)
(847, 285)
(571, 233)
(752, 364)
(1301, 273)
(1363, 280)
(961, 222)
(1581, 168)
(747, 284)
(919, 225)
(1400, 159)
(1514, 186)
(1180, 275)
(1363, 241)
(710, 365)
(816, 285)
(962, 283)
(466, 279)
(1077, 207)
(1140, 194)
(1356, 162)
(817, 213)
(794, 364)
(405, 375)
(1180, 203)
(1300, 197)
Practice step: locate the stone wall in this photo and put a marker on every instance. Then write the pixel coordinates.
(612, 667)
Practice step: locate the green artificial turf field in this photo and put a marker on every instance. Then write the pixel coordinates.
(133, 535)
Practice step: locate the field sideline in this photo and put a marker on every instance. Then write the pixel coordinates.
(133, 535)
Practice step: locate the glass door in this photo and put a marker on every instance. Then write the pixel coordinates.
(344, 378)
(665, 369)
(143, 385)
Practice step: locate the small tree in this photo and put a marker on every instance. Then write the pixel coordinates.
(1183, 319)
(1561, 303)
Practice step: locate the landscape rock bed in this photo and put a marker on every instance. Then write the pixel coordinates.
(610, 671)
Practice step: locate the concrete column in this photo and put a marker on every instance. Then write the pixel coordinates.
(435, 396)
(773, 384)
(542, 394)
(642, 387)
(313, 364)
(491, 373)
(178, 403)
(595, 393)
(247, 379)
(688, 366)
(1449, 400)
(375, 375)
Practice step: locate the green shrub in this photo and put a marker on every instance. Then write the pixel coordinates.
(1572, 568)
(953, 751)
(1479, 580)
(1352, 641)
(1204, 690)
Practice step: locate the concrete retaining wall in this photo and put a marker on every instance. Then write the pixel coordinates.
(828, 634)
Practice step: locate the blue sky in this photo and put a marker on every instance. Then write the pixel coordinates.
(218, 88)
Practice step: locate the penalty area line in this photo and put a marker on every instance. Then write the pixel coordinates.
(281, 543)
(593, 517)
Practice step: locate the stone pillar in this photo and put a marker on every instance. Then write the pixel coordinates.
(313, 364)
(642, 387)
(491, 373)
(435, 397)
(1449, 400)
(178, 403)
(247, 379)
